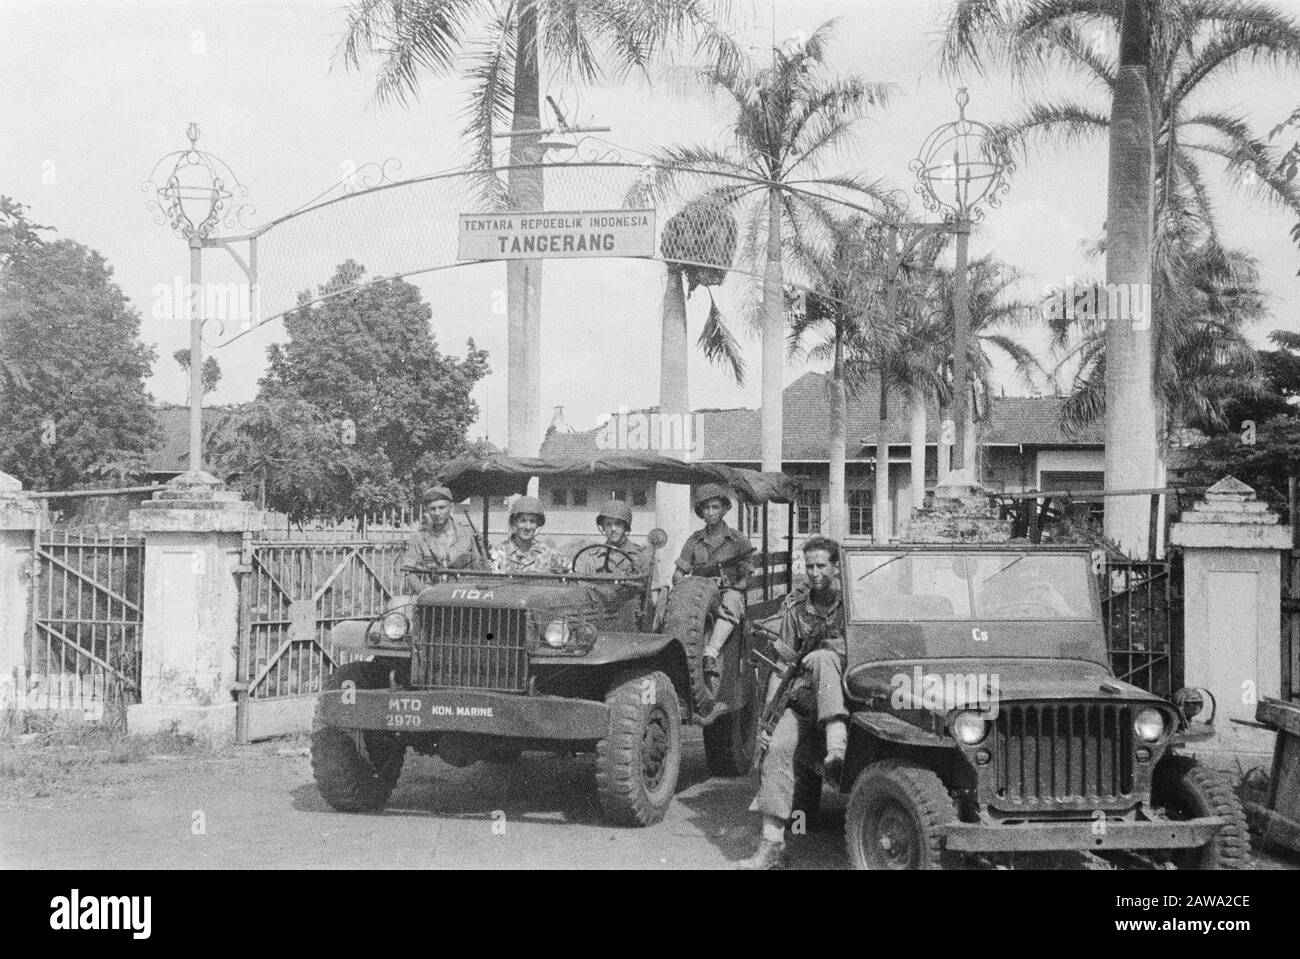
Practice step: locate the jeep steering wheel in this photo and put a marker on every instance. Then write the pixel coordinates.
(609, 550)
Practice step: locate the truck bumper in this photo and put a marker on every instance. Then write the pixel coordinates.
(465, 711)
(1031, 836)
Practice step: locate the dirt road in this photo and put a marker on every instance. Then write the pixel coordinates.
(256, 807)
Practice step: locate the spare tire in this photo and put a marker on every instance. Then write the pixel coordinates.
(692, 608)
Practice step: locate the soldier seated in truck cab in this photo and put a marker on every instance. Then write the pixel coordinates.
(523, 552)
(443, 540)
(617, 554)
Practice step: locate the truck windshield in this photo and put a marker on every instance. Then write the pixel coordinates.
(914, 587)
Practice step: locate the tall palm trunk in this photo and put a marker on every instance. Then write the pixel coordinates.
(880, 523)
(771, 419)
(839, 526)
(916, 413)
(524, 277)
(1132, 427)
(673, 500)
(970, 442)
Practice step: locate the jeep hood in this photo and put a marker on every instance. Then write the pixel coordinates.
(1014, 680)
(515, 594)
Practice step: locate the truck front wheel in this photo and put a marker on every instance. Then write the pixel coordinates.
(638, 761)
(1188, 790)
(356, 770)
(894, 817)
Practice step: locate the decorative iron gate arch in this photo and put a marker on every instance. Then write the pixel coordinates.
(384, 231)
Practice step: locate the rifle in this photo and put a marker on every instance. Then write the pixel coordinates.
(479, 541)
(788, 672)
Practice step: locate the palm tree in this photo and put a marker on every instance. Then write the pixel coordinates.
(505, 41)
(995, 316)
(789, 117)
(1203, 364)
(1167, 50)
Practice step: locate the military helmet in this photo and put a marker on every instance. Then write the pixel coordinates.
(615, 509)
(435, 494)
(528, 504)
(710, 491)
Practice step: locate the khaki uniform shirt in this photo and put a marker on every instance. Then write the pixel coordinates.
(452, 547)
(804, 627)
(724, 552)
(507, 557)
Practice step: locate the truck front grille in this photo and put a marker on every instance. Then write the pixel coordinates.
(1062, 756)
(470, 647)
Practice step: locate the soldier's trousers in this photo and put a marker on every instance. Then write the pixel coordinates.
(798, 742)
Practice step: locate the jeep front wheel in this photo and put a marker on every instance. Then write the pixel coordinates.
(1187, 790)
(894, 818)
(638, 761)
(355, 770)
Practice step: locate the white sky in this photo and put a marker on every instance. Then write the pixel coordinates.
(94, 92)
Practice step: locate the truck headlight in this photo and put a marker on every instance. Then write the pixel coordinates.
(556, 633)
(395, 625)
(1149, 725)
(969, 728)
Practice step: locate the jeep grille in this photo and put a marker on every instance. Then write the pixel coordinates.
(1062, 756)
(470, 647)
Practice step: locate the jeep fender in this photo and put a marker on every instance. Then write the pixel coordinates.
(874, 736)
(612, 648)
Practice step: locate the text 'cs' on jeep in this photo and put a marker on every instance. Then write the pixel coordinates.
(986, 721)
(484, 665)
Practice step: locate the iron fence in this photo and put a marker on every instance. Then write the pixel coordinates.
(1142, 608)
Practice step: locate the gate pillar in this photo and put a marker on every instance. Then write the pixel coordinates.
(19, 518)
(192, 536)
(1232, 611)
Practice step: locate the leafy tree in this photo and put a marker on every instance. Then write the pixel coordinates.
(358, 409)
(72, 400)
(211, 369)
(1264, 464)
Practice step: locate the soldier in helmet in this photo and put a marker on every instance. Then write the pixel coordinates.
(443, 540)
(523, 552)
(615, 521)
(720, 552)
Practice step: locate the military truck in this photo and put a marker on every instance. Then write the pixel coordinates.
(482, 665)
(986, 721)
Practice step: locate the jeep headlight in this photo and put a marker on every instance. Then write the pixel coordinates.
(1149, 725)
(969, 728)
(556, 633)
(395, 625)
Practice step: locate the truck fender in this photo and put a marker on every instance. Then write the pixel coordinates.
(621, 647)
(891, 729)
(350, 634)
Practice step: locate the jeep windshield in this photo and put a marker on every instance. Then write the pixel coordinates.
(950, 586)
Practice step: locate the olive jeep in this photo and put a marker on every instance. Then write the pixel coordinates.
(479, 666)
(986, 721)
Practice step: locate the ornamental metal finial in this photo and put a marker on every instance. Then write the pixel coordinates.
(961, 166)
(197, 193)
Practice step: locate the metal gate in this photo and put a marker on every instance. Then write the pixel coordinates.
(1142, 608)
(1291, 625)
(84, 643)
(291, 594)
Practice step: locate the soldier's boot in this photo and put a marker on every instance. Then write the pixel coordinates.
(837, 736)
(770, 855)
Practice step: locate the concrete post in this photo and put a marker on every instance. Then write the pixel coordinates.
(19, 518)
(192, 535)
(1232, 612)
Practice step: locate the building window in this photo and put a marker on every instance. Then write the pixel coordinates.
(579, 496)
(620, 495)
(640, 497)
(808, 513)
(860, 512)
(559, 497)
